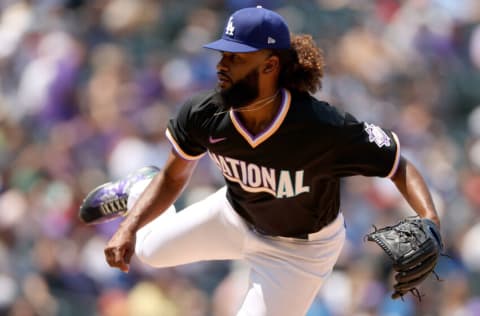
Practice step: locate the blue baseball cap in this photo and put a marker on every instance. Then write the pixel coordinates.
(253, 29)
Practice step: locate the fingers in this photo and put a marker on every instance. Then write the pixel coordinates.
(120, 249)
(119, 257)
(426, 267)
(407, 286)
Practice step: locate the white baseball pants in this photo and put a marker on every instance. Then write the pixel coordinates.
(285, 273)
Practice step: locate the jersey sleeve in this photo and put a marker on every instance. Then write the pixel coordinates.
(184, 135)
(365, 149)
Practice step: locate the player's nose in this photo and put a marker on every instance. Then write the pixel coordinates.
(221, 68)
(221, 65)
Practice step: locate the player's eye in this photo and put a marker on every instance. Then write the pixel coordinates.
(236, 58)
(232, 57)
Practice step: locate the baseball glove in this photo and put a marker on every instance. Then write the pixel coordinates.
(414, 245)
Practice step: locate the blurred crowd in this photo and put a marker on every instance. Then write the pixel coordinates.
(87, 87)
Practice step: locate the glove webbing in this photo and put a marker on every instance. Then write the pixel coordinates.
(407, 235)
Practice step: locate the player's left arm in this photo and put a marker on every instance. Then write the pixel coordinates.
(412, 186)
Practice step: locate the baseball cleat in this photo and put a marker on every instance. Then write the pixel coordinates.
(109, 200)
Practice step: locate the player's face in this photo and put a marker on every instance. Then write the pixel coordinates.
(238, 78)
(241, 92)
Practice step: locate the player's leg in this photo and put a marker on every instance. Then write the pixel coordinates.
(206, 230)
(286, 275)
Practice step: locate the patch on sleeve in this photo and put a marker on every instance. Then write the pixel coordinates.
(377, 135)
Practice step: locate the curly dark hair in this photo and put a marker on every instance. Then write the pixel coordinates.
(301, 65)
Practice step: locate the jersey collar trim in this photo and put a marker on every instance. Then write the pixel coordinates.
(254, 141)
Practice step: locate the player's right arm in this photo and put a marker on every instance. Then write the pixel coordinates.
(159, 195)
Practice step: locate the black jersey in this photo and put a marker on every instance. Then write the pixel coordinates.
(286, 180)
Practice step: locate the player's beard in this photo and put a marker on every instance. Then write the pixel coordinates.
(242, 92)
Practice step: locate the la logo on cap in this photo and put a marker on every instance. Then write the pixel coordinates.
(230, 28)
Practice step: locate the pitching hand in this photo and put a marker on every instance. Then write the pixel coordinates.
(120, 249)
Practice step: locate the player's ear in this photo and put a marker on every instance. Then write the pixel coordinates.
(271, 64)
(268, 68)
